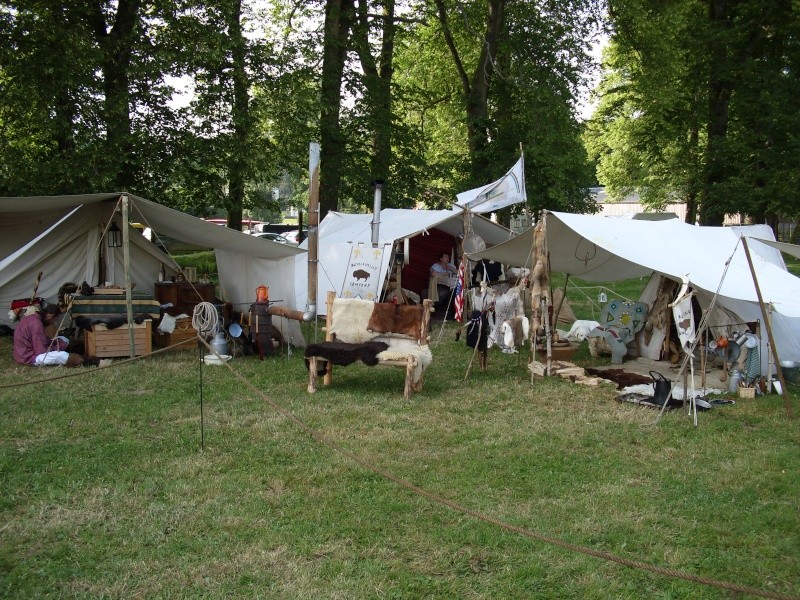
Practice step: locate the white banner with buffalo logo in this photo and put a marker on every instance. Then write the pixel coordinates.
(362, 278)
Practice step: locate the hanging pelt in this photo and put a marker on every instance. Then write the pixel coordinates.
(659, 314)
(540, 278)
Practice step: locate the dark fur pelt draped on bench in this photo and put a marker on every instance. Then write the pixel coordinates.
(342, 353)
(110, 321)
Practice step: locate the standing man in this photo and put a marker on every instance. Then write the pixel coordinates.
(32, 346)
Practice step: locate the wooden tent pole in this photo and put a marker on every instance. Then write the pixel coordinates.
(773, 347)
(126, 259)
(563, 296)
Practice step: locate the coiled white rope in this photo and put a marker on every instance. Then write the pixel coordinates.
(205, 318)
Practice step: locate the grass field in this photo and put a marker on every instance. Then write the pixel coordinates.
(106, 492)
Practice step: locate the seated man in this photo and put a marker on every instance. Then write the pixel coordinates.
(32, 346)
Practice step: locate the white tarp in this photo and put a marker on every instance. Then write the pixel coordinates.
(338, 233)
(508, 190)
(61, 236)
(597, 248)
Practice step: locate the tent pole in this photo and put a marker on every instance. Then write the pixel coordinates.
(773, 347)
(126, 258)
(313, 233)
(561, 302)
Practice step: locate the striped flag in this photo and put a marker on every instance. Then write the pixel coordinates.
(459, 293)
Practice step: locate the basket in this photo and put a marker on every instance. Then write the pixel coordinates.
(747, 392)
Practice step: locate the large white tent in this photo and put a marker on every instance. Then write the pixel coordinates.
(61, 236)
(339, 232)
(597, 248)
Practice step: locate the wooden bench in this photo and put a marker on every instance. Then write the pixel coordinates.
(403, 328)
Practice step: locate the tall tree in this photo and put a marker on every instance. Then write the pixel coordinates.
(694, 106)
(514, 66)
(338, 20)
(84, 105)
(228, 149)
(378, 72)
(115, 34)
(475, 85)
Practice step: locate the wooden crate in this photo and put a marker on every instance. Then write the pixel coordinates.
(181, 333)
(108, 343)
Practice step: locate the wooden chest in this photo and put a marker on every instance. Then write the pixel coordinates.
(183, 331)
(106, 343)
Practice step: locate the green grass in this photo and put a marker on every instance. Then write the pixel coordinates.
(106, 493)
(583, 295)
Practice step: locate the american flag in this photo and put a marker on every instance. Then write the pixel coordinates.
(459, 294)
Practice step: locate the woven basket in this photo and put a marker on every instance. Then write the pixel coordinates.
(747, 392)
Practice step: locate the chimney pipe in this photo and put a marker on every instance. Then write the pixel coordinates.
(376, 212)
(313, 223)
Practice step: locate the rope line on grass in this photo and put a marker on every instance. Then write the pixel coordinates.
(433, 497)
(455, 506)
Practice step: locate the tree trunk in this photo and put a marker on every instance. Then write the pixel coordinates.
(116, 45)
(475, 88)
(337, 27)
(237, 167)
(719, 95)
(692, 193)
(378, 81)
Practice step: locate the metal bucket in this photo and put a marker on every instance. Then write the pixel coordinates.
(791, 371)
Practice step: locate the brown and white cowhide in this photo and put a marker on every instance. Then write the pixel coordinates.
(396, 318)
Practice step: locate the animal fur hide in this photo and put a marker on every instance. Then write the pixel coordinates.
(110, 321)
(396, 318)
(622, 378)
(515, 331)
(400, 349)
(580, 330)
(349, 320)
(343, 354)
(506, 306)
(540, 279)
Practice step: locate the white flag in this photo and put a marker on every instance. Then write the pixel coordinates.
(508, 190)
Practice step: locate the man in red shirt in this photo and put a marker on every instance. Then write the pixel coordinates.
(32, 346)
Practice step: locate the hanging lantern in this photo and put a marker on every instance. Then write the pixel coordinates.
(114, 236)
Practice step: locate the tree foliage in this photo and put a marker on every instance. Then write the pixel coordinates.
(699, 105)
(432, 97)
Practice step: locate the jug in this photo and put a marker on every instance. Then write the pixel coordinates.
(262, 293)
(219, 344)
(735, 376)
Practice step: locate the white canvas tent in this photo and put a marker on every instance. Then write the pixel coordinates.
(61, 236)
(597, 248)
(340, 232)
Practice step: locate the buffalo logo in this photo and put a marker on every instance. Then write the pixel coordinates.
(361, 274)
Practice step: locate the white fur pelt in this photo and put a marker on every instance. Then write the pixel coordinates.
(580, 329)
(350, 317)
(400, 349)
(515, 333)
(506, 306)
